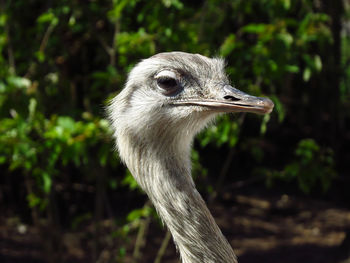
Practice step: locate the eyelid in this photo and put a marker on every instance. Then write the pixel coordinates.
(167, 74)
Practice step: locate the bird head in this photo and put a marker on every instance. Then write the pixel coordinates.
(176, 93)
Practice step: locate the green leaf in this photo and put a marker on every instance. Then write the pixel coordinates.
(286, 4)
(117, 10)
(33, 200)
(307, 74)
(292, 68)
(46, 17)
(31, 108)
(130, 181)
(264, 123)
(279, 108)
(2, 159)
(19, 82)
(254, 28)
(47, 182)
(286, 38)
(136, 214)
(67, 123)
(318, 63)
(3, 19)
(40, 56)
(228, 46)
(176, 3)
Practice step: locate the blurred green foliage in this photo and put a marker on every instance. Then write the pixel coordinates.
(61, 61)
(311, 166)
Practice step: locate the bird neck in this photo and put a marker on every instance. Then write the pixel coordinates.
(166, 178)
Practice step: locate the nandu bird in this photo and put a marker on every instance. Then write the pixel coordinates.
(167, 100)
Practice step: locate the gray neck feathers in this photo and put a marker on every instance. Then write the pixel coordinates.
(183, 210)
(160, 162)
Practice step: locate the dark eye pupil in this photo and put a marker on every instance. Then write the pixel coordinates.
(166, 83)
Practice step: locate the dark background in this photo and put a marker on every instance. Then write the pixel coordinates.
(277, 185)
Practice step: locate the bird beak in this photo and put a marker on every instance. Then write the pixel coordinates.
(230, 99)
(234, 100)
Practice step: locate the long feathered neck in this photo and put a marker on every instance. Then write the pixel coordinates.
(164, 173)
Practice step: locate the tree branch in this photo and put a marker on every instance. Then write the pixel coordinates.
(163, 247)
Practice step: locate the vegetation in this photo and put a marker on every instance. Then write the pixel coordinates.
(61, 61)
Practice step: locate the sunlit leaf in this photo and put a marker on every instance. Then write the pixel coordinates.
(292, 68)
(228, 46)
(18, 82)
(32, 107)
(318, 63)
(47, 182)
(306, 74)
(46, 17)
(254, 28)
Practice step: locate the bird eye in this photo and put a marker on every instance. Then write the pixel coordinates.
(167, 82)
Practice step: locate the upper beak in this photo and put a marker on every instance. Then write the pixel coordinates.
(230, 99)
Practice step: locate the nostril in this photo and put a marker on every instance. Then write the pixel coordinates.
(231, 98)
